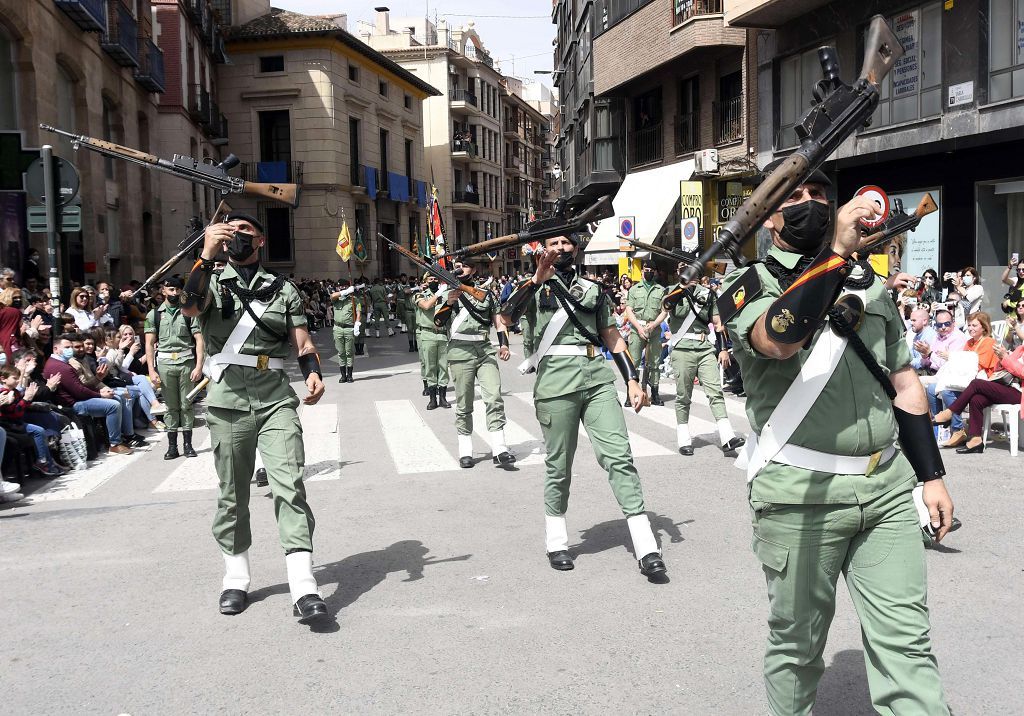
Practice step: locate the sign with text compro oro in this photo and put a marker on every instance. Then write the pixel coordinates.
(691, 206)
(627, 230)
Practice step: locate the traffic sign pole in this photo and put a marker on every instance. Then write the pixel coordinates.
(52, 206)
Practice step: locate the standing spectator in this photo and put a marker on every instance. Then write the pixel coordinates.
(11, 318)
(31, 270)
(1015, 296)
(72, 393)
(85, 314)
(968, 285)
(931, 293)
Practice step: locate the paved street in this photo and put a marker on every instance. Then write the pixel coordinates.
(443, 597)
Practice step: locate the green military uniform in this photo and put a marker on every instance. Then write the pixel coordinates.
(378, 297)
(433, 343)
(693, 356)
(176, 360)
(344, 321)
(645, 299)
(471, 359)
(809, 526)
(401, 307)
(252, 409)
(407, 299)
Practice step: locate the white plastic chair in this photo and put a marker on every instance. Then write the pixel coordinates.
(1010, 415)
(999, 330)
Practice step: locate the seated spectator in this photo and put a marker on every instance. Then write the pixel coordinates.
(72, 393)
(968, 286)
(120, 354)
(919, 336)
(1015, 333)
(10, 490)
(96, 378)
(981, 394)
(979, 328)
(13, 408)
(11, 321)
(935, 354)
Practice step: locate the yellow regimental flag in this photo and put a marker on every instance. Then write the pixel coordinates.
(344, 247)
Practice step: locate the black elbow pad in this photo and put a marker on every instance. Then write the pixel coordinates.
(801, 310)
(516, 304)
(918, 443)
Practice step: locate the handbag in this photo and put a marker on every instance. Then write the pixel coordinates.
(957, 372)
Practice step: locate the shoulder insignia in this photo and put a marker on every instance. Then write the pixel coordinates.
(739, 294)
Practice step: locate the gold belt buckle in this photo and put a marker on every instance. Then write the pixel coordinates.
(174, 356)
(873, 462)
(591, 350)
(262, 362)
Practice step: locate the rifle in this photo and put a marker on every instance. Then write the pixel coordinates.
(541, 229)
(838, 111)
(206, 173)
(899, 222)
(443, 275)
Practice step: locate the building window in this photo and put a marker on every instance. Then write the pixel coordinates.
(382, 88)
(353, 73)
(913, 90)
(408, 164)
(383, 176)
(353, 152)
(65, 104)
(646, 137)
(729, 108)
(273, 63)
(8, 84)
(688, 118)
(607, 130)
(408, 101)
(798, 74)
(275, 136)
(277, 220)
(1006, 50)
(107, 126)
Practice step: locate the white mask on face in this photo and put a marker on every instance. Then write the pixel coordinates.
(968, 280)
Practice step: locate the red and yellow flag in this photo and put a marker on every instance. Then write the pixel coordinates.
(344, 247)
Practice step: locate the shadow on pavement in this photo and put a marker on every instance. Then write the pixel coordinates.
(843, 689)
(614, 533)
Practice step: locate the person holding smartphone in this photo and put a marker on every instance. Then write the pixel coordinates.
(1013, 276)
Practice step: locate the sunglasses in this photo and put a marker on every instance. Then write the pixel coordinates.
(943, 324)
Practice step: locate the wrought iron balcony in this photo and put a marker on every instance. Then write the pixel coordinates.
(728, 120)
(513, 200)
(89, 15)
(683, 10)
(195, 101)
(465, 197)
(222, 9)
(122, 38)
(464, 147)
(271, 172)
(151, 68)
(646, 145)
(687, 132)
(462, 95)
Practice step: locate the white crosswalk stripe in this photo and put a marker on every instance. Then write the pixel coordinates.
(76, 485)
(413, 445)
(528, 449)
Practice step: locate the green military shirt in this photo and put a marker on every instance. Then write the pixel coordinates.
(425, 318)
(679, 313)
(408, 297)
(378, 293)
(852, 416)
(344, 311)
(561, 375)
(241, 387)
(645, 300)
(175, 344)
(466, 350)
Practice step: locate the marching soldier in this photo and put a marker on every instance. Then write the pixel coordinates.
(401, 307)
(471, 358)
(407, 298)
(377, 295)
(841, 436)
(250, 319)
(643, 304)
(346, 319)
(362, 302)
(433, 344)
(174, 354)
(574, 385)
(690, 310)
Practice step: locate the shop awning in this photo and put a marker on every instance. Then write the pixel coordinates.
(647, 197)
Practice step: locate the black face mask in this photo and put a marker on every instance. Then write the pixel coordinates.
(16, 302)
(564, 262)
(432, 285)
(173, 300)
(805, 225)
(240, 247)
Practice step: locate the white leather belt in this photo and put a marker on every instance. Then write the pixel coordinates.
(468, 337)
(834, 464)
(175, 355)
(588, 350)
(260, 362)
(696, 336)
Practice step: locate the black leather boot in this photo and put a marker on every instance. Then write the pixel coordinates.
(655, 398)
(442, 398)
(311, 609)
(412, 345)
(432, 405)
(426, 390)
(233, 601)
(348, 376)
(172, 447)
(186, 444)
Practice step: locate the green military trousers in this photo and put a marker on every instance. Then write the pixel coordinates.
(700, 363)
(483, 367)
(345, 344)
(381, 316)
(598, 410)
(877, 546)
(651, 349)
(175, 386)
(276, 432)
(433, 357)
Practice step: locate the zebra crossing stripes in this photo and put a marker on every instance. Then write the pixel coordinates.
(663, 415)
(193, 473)
(412, 443)
(76, 485)
(528, 449)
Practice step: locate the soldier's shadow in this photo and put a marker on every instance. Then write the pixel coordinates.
(345, 581)
(614, 533)
(843, 689)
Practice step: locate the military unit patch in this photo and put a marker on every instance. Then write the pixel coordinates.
(739, 294)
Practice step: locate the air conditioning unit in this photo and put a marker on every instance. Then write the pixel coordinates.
(706, 161)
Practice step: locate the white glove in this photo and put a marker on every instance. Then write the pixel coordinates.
(356, 328)
(347, 291)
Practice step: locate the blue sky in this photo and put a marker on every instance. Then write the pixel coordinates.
(519, 34)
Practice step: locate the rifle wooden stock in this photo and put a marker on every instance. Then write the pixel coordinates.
(899, 224)
(478, 293)
(285, 193)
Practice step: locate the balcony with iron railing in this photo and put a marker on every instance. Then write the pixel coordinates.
(683, 10)
(121, 40)
(150, 73)
(466, 197)
(728, 120)
(222, 12)
(463, 149)
(272, 172)
(195, 101)
(89, 15)
(459, 96)
(646, 145)
(687, 132)
(515, 200)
